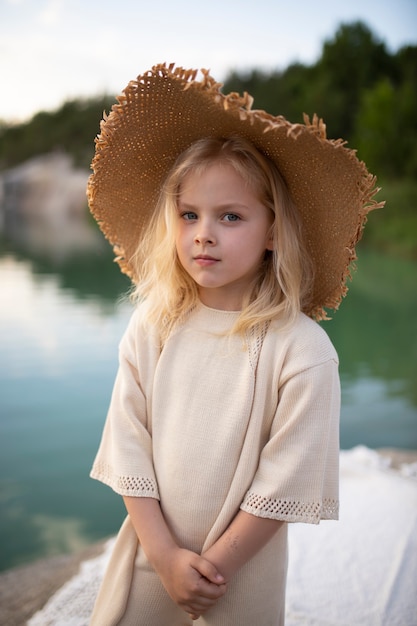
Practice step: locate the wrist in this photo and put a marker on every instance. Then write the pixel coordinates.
(161, 557)
(222, 560)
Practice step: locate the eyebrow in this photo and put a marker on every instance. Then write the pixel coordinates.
(228, 206)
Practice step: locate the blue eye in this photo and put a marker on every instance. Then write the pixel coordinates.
(189, 215)
(231, 217)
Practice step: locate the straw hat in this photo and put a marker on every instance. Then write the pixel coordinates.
(165, 110)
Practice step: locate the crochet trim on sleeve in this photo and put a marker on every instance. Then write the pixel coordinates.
(135, 486)
(289, 510)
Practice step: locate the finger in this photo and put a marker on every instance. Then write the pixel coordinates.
(209, 590)
(198, 606)
(209, 571)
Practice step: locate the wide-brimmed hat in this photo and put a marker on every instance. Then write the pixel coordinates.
(167, 109)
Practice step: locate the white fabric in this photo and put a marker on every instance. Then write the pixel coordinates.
(361, 571)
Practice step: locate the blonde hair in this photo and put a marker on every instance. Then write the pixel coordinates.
(282, 287)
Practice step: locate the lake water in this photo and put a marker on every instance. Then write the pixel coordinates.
(61, 321)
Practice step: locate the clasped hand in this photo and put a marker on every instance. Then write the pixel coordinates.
(192, 581)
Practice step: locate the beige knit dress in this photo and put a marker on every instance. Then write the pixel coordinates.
(210, 424)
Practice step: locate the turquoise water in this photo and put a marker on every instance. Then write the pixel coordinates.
(60, 326)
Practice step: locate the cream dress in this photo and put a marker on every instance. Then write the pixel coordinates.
(210, 424)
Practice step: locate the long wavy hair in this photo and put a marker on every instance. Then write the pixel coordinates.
(282, 285)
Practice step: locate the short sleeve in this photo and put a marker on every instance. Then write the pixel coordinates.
(297, 479)
(124, 459)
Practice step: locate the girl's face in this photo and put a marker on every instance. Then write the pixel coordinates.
(223, 233)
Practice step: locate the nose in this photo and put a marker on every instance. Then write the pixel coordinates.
(204, 235)
(203, 239)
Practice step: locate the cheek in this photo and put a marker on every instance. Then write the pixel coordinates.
(178, 234)
(181, 241)
(256, 242)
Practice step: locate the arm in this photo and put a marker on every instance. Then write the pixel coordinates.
(190, 579)
(242, 540)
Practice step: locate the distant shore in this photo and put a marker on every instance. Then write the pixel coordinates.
(25, 589)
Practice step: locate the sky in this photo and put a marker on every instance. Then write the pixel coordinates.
(56, 50)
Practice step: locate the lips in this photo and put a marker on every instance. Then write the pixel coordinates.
(205, 259)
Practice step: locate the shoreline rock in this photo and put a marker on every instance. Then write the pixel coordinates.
(25, 589)
(398, 457)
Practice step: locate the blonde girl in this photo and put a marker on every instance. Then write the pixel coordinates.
(223, 423)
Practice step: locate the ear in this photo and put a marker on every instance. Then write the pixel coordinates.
(270, 244)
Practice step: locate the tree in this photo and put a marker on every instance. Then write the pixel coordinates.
(350, 63)
(280, 93)
(71, 128)
(386, 129)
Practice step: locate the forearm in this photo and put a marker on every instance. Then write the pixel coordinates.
(243, 539)
(151, 528)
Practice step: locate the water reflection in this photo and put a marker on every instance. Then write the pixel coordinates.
(60, 323)
(375, 330)
(87, 272)
(58, 362)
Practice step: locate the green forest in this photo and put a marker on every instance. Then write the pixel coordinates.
(364, 93)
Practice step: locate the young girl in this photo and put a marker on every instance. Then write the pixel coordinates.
(237, 228)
